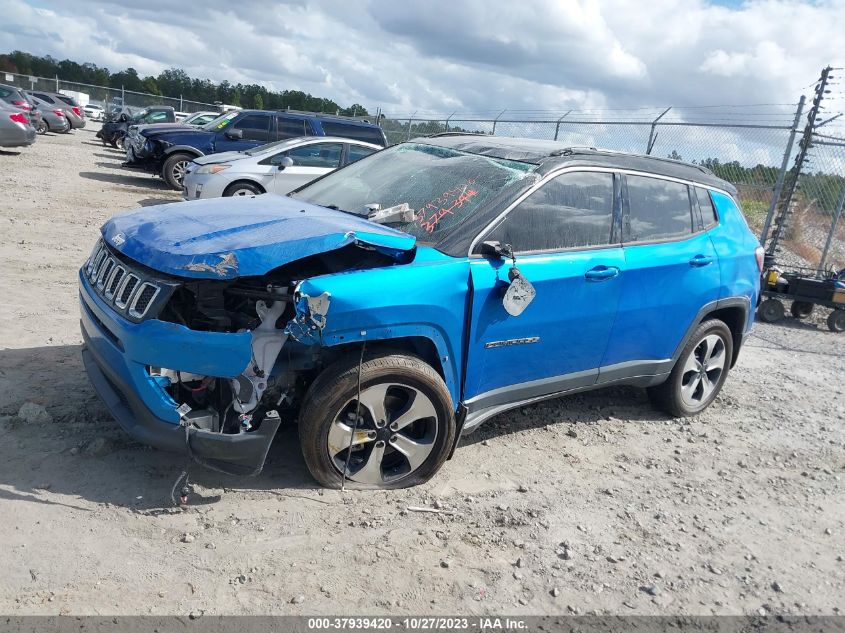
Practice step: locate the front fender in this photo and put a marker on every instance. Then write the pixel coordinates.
(424, 299)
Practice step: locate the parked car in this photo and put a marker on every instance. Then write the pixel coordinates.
(73, 112)
(167, 152)
(278, 167)
(199, 119)
(15, 127)
(52, 119)
(114, 132)
(514, 270)
(15, 97)
(94, 111)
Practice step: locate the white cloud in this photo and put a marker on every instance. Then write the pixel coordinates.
(445, 55)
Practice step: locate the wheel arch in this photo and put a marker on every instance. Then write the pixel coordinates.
(732, 311)
(182, 149)
(245, 181)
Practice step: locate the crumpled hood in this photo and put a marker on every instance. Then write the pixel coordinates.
(225, 238)
(172, 128)
(151, 128)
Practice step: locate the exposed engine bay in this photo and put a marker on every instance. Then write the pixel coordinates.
(286, 325)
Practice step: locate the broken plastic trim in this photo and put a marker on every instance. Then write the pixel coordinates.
(307, 326)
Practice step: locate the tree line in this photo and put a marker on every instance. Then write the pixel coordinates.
(173, 82)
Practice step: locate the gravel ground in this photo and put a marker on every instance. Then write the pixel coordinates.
(592, 503)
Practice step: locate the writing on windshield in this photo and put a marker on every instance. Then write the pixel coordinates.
(445, 204)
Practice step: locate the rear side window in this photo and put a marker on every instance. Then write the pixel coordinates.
(256, 127)
(44, 97)
(657, 209)
(708, 211)
(573, 210)
(364, 133)
(290, 128)
(356, 152)
(67, 100)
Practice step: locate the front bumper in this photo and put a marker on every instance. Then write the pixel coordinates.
(117, 354)
(196, 186)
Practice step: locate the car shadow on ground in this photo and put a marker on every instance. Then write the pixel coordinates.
(116, 156)
(142, 180)
(150, 202)
(6, 152)
(83, 454)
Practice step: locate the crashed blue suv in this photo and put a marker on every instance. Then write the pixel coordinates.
(395, 304)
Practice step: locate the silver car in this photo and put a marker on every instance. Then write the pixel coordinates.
(74, 114)
(53, 118)
(15, 128)
(273, 168)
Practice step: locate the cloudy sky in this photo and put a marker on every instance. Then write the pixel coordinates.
(466, 55)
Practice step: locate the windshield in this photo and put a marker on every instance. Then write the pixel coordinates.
(443, 186)
(220, 122)
(140, 115)
(270, 147)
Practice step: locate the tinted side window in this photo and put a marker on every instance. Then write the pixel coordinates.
(256, 127)
(325, 155)
(573, 210)
(658, 209)
(289, 128)
(708, 211)
(366, 133)
(356, 152)
(44, 97)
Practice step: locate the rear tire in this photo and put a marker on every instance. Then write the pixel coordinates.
(698, 374)
(173, 170)
(242, 189)
(405, 430)
(836, 321)
(801, 309)
(771, 310)
(42, 127)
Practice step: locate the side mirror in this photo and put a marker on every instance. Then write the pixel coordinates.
(497, 250)
(235, 134)
(284, 162)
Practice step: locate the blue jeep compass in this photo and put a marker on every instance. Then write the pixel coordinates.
(401, 301)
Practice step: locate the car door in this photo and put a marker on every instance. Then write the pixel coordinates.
(249, 130)
(290, 127)
(565, 238)
(309, 162)
(671, 272)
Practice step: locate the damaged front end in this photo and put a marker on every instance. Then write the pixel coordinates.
(211, 361)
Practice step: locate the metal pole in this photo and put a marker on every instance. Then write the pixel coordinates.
(57, 83)
(181, 107)
(652, 137)
(557, 125)
(122, 97)
(447, 121)
(496, 120)
(836, 216)
(784, 166)
(410, 120)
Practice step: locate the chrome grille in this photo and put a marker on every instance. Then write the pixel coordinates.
(116, 283)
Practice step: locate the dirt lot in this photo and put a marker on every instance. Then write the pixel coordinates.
(593, 503)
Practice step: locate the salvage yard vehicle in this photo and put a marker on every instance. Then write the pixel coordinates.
(114, 132)
(15, 127)
(167, 152)
(94, 111)
(514, 270)
(278, 167)
(53, 119)
(73, 111)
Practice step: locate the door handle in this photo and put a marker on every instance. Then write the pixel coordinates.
(701, 260)
(600, 273)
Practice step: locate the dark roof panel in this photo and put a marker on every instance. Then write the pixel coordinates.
(549, 155)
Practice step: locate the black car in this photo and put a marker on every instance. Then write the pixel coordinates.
(114, 132)
(167, 152)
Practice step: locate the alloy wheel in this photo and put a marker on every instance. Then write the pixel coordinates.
(703, 370)
(178, 171)
(396, 432)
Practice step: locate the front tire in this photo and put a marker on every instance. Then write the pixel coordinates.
(242, 189)
(771, 310)
(801, 309)
(405, 430)
(698, 374)
(836, 321)
(173, 170)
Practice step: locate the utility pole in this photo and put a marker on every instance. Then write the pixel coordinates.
(803, 147)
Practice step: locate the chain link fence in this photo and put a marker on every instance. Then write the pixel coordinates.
(104, 95)
(752, 147)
